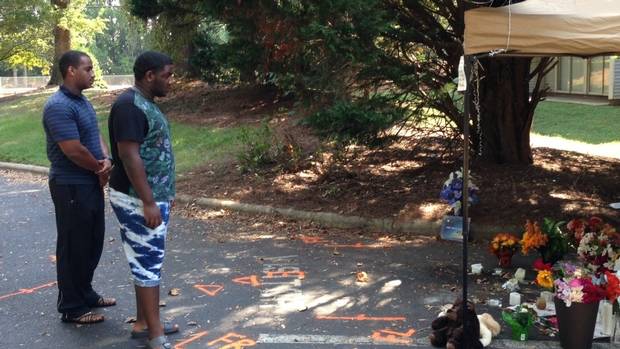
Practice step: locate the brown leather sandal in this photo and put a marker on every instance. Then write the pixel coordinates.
(104, 302)
(84, 319)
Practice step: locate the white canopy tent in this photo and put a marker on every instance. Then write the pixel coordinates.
(545, 27)
(582, 28)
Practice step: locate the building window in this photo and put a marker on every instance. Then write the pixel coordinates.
(564, 74)
(578, 75)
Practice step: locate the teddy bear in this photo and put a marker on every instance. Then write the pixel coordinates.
(448, 328)
(489, 328)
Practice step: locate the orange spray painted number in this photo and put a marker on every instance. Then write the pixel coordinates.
(234, 341)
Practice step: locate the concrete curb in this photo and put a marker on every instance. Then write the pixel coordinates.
(388, 225)
(327, 218)
(27, 168)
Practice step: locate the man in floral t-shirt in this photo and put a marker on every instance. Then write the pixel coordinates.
(142, 187)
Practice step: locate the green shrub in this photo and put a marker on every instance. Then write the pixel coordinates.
(360, 122)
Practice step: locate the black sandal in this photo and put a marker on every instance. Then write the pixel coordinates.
(169, 328)
(84, 319)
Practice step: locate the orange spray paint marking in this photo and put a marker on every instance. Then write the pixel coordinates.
(361, 317)
(285, 274)
(393, 336)
(211, 290)
(315, 240)
(234, 341)
(27, 290)
(360, 245)
(248, 280)
(240, 344)
(312, 239)
(192, 338)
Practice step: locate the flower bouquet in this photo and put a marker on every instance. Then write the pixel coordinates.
(452, 192)
(598, 244)
(520, 321)
(504, 246)
(549, 240)
(577, 297)
(574, 284)
(578, 227)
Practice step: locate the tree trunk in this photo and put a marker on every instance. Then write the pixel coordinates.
(62, 44)
(503, 135)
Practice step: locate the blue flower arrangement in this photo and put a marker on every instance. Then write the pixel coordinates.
(452, 192)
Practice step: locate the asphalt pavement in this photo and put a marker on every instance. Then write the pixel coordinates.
(227, 289)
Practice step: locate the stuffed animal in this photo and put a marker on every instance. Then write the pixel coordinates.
(448, 328)
(489, 328)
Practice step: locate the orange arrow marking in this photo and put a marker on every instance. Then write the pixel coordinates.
(211, 290)
(393, 336)
(181, 345)
(362, 317)
(248, 280)
(27, 290)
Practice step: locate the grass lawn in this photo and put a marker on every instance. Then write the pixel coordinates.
(22, 138)
(583, 123)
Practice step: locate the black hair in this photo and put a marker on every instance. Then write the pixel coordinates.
(150, 60)
(70, 59)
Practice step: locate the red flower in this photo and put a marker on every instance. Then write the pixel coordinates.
(592, 293)
(540, 265)
(577, 226)
(613, 286)
(595, 223)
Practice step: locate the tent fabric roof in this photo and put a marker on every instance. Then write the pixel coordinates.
(545, 27)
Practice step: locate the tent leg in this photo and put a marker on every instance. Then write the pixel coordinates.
(469, 60)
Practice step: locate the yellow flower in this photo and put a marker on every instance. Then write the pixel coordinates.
(544, 279)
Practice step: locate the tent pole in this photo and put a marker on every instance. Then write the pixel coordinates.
(465, 196)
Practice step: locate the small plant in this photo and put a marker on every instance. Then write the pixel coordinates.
(257, 148)
(520, 321)
(262, 147)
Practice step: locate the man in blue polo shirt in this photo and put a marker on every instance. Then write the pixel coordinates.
(80, 168)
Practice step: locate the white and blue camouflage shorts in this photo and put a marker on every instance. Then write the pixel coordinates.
(144, 247)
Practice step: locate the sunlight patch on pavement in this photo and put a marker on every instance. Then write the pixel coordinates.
(21, 192)
(317, 339)
(390, 286)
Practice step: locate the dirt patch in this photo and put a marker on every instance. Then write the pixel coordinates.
(199, 103)
(396, 183)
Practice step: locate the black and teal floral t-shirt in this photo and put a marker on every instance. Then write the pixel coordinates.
(137, 119)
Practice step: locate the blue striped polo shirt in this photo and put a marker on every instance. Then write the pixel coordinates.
(65, 117)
